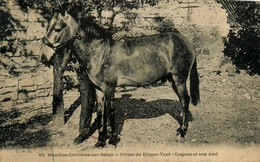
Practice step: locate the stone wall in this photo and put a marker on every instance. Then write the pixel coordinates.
(24, 82)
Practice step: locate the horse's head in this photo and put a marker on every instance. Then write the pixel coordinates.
(61, 32)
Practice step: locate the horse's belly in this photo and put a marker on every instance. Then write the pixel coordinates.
(131, 81)
(139, 76)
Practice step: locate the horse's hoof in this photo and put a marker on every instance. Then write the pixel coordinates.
(100, 144)
(114, 141)
(80, 139)
(190, 117)
(180, 139)
(180, 133)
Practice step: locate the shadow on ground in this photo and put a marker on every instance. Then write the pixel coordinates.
(35, 131)
(29, 134)
(130, 108)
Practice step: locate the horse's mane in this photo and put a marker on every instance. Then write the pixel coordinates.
(92, 29)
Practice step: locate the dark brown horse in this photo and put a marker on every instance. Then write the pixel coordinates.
(128, 62)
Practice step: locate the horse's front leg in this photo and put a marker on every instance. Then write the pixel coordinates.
(60, 62)
(111, 114)
(102, 119)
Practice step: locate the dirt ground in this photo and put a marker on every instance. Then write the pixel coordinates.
(226, 119)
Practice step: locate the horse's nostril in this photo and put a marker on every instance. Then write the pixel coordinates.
(43, 59)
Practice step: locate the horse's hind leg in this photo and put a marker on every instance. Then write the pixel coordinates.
(179, 86)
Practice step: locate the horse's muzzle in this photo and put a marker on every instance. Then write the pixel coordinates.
(45, 61)
(46, 55)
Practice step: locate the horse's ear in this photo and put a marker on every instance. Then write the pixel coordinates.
(63, 12)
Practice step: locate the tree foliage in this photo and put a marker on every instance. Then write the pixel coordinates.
(243, 46)
(48, 7)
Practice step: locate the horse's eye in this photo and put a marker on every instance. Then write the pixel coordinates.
(64, 25)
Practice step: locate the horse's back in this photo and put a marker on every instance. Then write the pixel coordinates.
(153, 42)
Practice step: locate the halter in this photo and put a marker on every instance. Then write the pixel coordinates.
(55, 48)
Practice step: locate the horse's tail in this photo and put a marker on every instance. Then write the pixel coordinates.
(194, 84)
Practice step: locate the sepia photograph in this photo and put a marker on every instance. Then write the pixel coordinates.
(129, 80)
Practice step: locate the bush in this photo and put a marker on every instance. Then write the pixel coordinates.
(243, 45)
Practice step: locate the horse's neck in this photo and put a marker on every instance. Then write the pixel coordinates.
(92, 51)
(93, 30)
(99, 47)
(92, 54)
